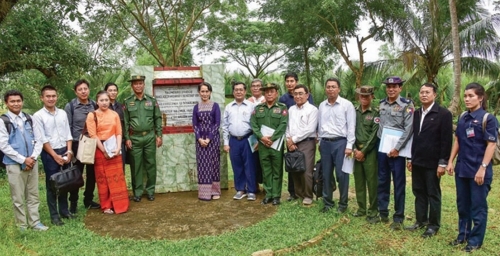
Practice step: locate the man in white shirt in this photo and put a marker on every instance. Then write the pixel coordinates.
(55, 136)
(236, 130)
(18, 143)
(336, 126)
(301, 136)
(257, 96)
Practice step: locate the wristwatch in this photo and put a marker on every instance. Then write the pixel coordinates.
(484, 165)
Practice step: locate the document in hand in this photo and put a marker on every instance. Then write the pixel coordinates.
(389, 139)
(254, 143)
(268, 132)
(110, 145)
(348, 165)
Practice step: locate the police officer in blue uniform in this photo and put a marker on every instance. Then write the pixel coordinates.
(395, 112)
(475, 143)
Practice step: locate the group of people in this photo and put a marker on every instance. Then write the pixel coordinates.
(255, 133)
(374, 138)
(54, 134)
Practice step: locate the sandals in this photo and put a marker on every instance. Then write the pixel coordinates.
(215, 197)
(108, 211)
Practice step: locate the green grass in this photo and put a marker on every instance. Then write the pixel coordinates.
(291, 225)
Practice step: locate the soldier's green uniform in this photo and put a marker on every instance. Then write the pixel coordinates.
(142, 127)
(271, 160)
(366, 172)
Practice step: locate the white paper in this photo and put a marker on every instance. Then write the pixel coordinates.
(110, 145)
(268, 132)
(348, 165)
(389, 139)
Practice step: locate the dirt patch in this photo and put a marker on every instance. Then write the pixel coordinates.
(180, 215)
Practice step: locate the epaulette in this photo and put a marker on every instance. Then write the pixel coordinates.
(281, 104)
(382, 100)
(129, 97)
(147, 95)
(405, 100)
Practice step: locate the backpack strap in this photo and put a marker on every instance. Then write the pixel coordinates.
(8, 124)
(85, 131)
(485, 119)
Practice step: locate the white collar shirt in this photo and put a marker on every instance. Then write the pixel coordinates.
(302, 122)
(424, 113)
(337, 120)
(54, 127)
(236, 120)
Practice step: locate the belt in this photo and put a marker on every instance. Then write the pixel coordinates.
(333, 139)
(143, 133)
(306, 139)
(242, 137)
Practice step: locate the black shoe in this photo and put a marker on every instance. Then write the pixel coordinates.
(276, 201)
(137, 199)
(325, 209)
(341, 210)
(73, 207)
(266, 200)
(396, 226)
(384, 219)
(470, 248)
(151, 197)
(358, 214)
(57, 222)
(373, 220)
(292, 197)
(416, 226)
(429, 233)
(92, 205)
(69, 215)
(457, 242)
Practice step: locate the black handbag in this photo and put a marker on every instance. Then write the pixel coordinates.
(295, 161)
(66, 180)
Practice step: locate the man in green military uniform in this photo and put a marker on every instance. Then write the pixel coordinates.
(365, 153)
(274, 115)
(143, 135)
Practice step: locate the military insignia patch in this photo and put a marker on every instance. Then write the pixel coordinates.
(369, 118)
(276, 111)
(284, 113)
(261, 110)
(131, 103)
(148, 103)
(410, 110)
(376, 120)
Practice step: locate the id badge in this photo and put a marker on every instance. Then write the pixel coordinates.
(470, 132)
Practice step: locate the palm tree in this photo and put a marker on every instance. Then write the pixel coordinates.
(425, 40)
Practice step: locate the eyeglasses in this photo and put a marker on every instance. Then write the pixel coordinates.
(299, 94)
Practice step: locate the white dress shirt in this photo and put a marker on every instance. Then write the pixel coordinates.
(54, 128)
(337, 120)
(236, 120)
(302, 122)
(18, 122)
(424, 112)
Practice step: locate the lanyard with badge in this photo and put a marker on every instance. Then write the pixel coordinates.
(470, 131)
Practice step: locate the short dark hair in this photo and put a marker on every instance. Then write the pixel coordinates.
(47, 87)
(333, 79)
(431, 85)
(101, 92)
(110, 84)
(81, 81)
(479, 91)
(209, 86)
(12, 93)
(301, 86)
(292, 74)
(237, 83)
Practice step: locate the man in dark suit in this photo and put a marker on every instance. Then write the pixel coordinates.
(432, 140)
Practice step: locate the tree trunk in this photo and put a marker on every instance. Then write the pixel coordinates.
(308, 70)
(455, 103)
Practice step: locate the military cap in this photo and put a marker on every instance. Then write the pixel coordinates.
(137, 78)
(269, 86)
(365, 90)
(393, 80)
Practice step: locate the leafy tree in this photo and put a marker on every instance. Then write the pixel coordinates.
(425, 40)
(5, 7)
(252, 44)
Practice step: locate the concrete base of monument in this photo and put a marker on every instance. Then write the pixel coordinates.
(180, 215)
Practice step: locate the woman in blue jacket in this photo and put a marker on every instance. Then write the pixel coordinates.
(474, 145)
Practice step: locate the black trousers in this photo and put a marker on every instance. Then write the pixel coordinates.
(427, 192)
(88, 194)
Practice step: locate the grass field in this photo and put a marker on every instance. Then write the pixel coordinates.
(291, 225)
